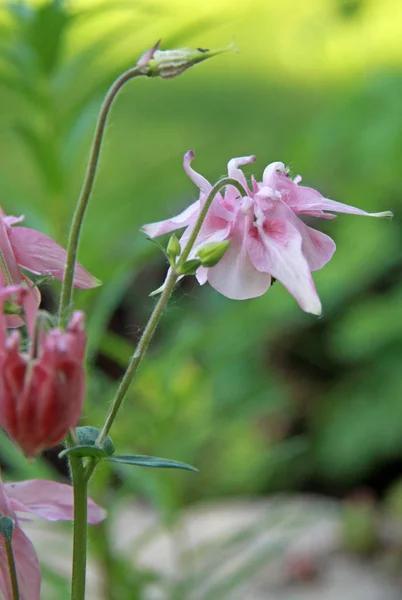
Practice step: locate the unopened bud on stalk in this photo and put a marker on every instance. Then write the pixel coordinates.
(173, 249)
(170, 63)
(211, 254)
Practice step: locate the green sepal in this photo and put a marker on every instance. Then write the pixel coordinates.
(211, 254)
(173, 249)
(189, 267)
(139, 460)
(87, 437)
(7, 527)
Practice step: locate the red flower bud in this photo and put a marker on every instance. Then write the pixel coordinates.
(41, 397)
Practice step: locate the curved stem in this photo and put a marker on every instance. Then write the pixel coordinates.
(203, 213)
(80, 487)
(76, 224)
(157, 313)
(11, 569)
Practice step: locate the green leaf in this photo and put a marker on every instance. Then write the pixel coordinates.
(87, 436)
(140, 460)
(6, 528)
(47, 32)
(84, 451)
(189, 267)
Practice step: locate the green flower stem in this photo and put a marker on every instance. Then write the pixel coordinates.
(11, 568)
(201, 217)
(157, 313)
(83, 200)
(80, 487)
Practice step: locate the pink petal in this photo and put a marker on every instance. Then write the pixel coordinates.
(9, 269)
(271, 170)
(202, 275)
(198, 179)
(306, 200)
(235, 275)
(27, 565)
(28, 571)
(276, 248)
(317, 247)
(39, 254)
(235, 172)
(182, 220)
(50, 500)
(31, 302)
(9, 220)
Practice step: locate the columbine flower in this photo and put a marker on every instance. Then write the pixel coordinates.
(47, 499)
(41, 393)
(267, 238)
(28, 249)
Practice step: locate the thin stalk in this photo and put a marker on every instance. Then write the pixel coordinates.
(83, 200)
(154, 319)
(80, 487)
(11, 569)
(201, 217)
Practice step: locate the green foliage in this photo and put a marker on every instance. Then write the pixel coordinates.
(138, 460)
(258, 395)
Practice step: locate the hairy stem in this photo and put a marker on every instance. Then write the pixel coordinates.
(11, 569)
(83, 200)
(80, 486)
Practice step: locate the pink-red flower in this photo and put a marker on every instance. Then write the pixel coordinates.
(267, 237)
(41, 392)
(24, 248)
(47, 499)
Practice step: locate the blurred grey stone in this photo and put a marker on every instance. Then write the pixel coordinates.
(238, 550)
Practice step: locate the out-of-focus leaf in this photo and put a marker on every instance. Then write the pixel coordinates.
(22, 12)
(104, 7)
(46, 159)
(20, 87)
(116, 348)
(46, 34)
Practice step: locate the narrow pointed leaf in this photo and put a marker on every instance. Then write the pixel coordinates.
(140, 460)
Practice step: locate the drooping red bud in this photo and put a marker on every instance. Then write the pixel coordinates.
(41, 397)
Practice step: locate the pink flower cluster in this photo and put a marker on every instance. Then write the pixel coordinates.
(267, 237)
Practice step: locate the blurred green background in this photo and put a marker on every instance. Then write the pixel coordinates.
(258, 395)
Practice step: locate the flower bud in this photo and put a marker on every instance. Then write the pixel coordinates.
(211, 254)
(41, 396)
(170, 63)
(173, 249)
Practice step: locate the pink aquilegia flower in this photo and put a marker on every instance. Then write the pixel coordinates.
(41, 392)
(47, 499)
(28, 249)
(267, 238)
